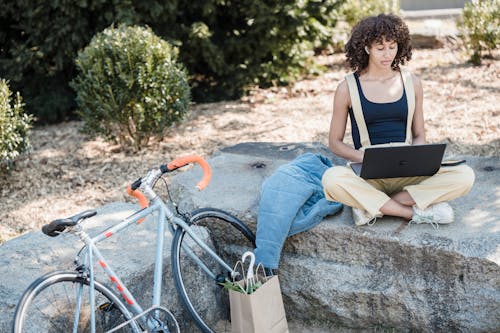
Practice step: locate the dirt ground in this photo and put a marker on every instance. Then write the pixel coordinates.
(67, 172)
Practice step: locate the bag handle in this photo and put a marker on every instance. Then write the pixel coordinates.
(249, 277)
(263, 277)
(235, 274)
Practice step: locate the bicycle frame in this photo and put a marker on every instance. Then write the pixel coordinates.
(90, 251)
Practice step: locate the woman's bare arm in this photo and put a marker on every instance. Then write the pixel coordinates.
(341, 104)
(418, 128)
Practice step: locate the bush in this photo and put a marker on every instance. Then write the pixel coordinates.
(39, 41)
(229, 46)
(480, 27)
(129, 86)
(352, 11)
(14, 126)
(225, 45)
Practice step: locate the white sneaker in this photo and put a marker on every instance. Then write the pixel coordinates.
(361, 217)
(440, 213)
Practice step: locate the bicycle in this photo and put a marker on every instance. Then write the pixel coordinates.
(201, 259)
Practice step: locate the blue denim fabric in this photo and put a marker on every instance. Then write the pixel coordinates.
(291, 201)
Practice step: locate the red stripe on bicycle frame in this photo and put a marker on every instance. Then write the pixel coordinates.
(102, 263)
(120, 289)
(129, 301)
(108, 234)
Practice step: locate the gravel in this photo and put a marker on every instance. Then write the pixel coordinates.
(66, 172)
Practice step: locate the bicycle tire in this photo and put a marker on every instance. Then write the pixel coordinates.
(167, 321)
(44, 308)
(229, 238)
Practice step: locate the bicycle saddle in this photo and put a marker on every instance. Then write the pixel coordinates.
(55, 227)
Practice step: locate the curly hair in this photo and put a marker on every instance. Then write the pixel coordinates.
(375, 29)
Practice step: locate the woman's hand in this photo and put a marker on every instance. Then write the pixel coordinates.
(361, 155)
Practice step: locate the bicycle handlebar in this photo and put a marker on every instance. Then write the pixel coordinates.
(182, 161)
(175, 164)
(141, 197)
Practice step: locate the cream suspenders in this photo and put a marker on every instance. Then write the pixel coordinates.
(358, 112)
(410, 98)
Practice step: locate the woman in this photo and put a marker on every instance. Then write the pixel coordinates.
(385, 106)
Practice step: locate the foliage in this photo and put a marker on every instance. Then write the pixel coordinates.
(352, 11)
(40, 40)
(231, 45)
(240, 286)
(226, 45)
(14, 126)
(129, 86)
(479, 26)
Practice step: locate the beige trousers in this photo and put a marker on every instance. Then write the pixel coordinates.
(341, 184)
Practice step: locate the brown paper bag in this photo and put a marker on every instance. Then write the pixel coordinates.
(259, 312)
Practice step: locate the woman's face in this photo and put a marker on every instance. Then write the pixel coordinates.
(382, 53)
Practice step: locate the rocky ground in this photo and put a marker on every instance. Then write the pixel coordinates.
(66, 172)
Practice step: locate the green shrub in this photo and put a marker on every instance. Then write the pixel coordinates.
(129, 85)
(225, 45)
(479, 26)
(229, 45)
(352, 11)
(14, 126)
(40, 39)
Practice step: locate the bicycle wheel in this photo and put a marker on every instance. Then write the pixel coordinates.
(206, 301)
(49, 305)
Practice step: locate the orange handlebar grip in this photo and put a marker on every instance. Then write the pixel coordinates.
(182, 161)
(141, 197)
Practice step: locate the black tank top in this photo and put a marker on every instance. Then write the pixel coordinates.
(386, 122)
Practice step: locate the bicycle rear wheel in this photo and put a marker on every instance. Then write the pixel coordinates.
(50, 302)
(206, 301)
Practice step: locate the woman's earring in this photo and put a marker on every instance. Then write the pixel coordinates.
(366, 50)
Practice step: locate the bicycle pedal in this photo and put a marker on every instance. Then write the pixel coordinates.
(106, 307)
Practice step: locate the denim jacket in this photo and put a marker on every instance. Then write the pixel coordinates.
(291, 201)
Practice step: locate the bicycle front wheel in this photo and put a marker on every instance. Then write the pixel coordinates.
(50, 303)
(206, 301)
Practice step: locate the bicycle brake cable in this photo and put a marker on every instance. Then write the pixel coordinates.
(187, 216)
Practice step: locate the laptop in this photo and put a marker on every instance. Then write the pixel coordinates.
(400, 161)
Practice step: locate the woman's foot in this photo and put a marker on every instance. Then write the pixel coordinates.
(440, 213)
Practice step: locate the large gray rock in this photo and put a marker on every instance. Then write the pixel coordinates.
(387, 276)
(335, 277)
